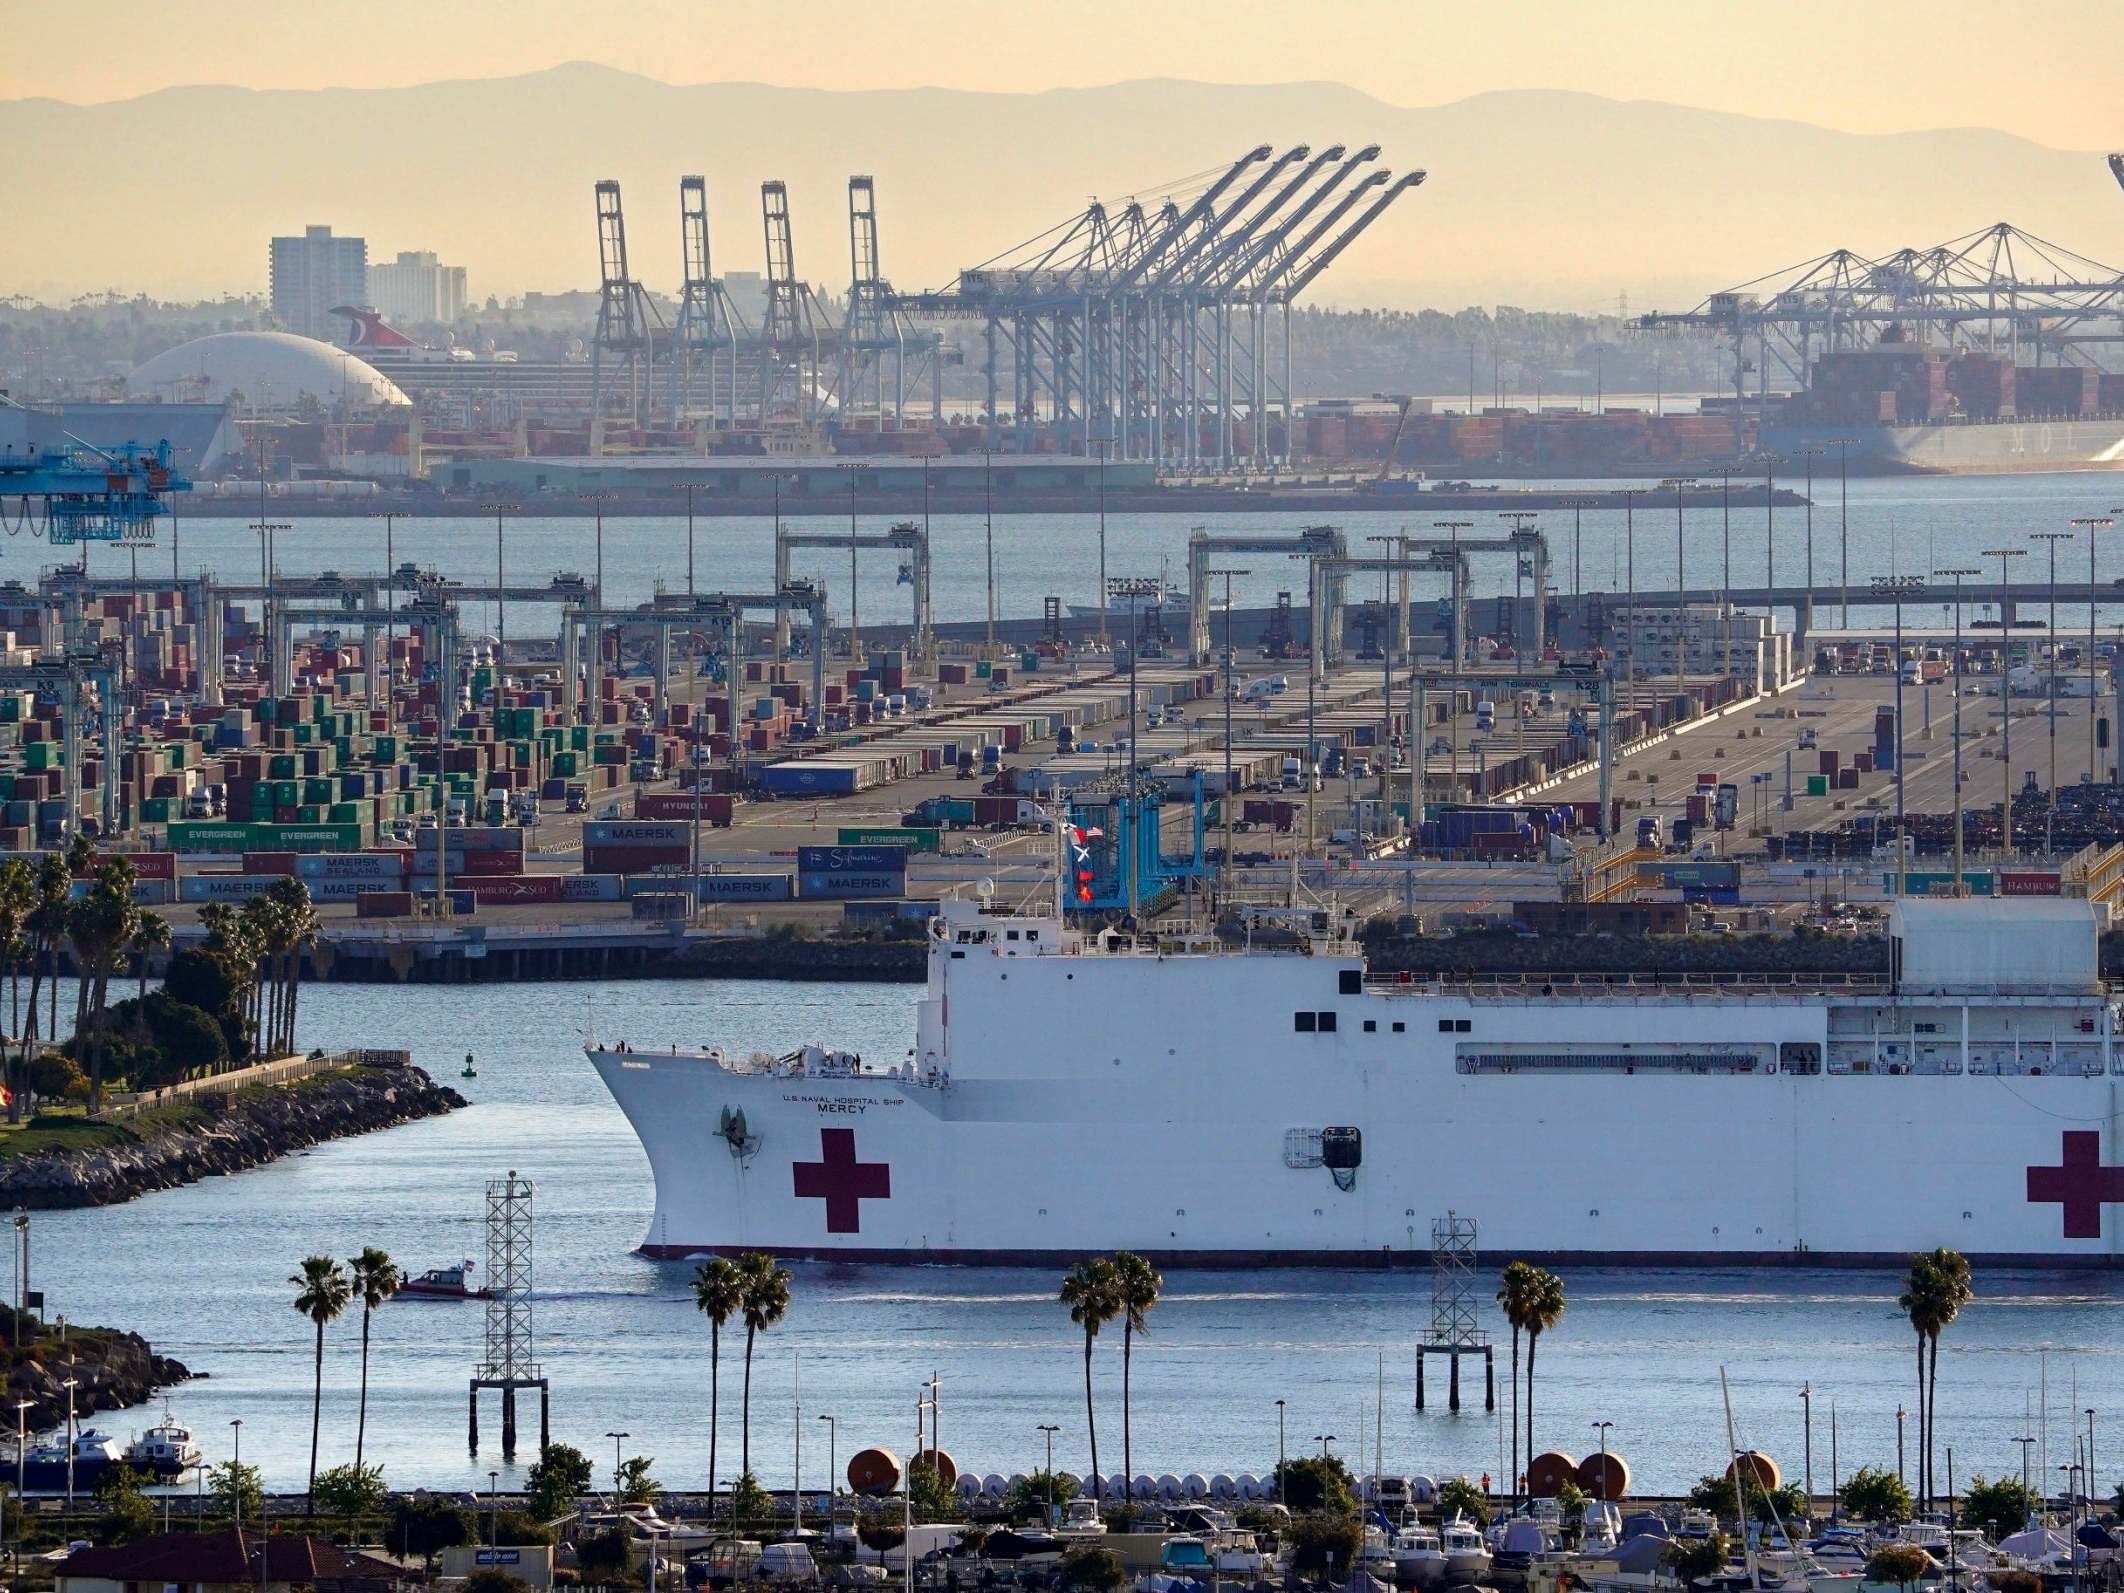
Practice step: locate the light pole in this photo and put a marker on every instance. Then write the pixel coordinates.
(1104, 444)
(616, 1437)
(1808, 454)
(1894, 586)
(1323, 1440)
(501, 606)
(1806, 1395)
(1629, 496)
(833, 1478)
(1226, 873)
(1842, 445)
(2093, 523)
(2052, 539)
(1899, 1443)
(235, 1472)
(1604, 1426)
(1578, 507)
(1279, 1451)
(988, 500)
(1386, 676)
(2005, 696)
(1957, 574)
(2091, 1473)
(1681, 485)
(1050, 1429)
(493, 1507)
(922, 1405)
(1458, 618)
(855, 629)
(1133, 587)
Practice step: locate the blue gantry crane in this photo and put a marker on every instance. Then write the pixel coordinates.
(77, 492)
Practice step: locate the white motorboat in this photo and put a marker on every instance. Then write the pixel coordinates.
(165, 1451)
(1418, 1558)
(1467, 1557)
(1082, 1520)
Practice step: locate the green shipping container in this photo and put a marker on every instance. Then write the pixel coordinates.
(40, 755)
(204, 836)
(1817, 785)
(155, 810)
(281, 766)
(914, 838)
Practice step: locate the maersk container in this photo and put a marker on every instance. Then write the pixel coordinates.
(834, 886)
(745, 887)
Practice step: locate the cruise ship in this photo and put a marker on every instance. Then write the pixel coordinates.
(1071, 1090)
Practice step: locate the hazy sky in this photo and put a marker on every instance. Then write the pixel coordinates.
(1874, 66)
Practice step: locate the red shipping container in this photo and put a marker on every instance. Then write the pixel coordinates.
(636, 859)
(269, 862)
(148, 865)
(715, 806)
(383, 904)
(486, 862)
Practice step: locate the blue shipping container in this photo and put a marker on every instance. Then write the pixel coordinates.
(852, 859)
(808, 778)
(745, 887)
(833, 886)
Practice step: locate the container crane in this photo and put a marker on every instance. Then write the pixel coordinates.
(87, 494)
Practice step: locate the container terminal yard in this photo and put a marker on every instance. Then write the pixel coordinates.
(715, 767)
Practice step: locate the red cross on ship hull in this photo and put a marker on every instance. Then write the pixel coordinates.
(2080, 1184)
(841, 1181)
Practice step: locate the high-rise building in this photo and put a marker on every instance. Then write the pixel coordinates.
(417, 289)
(315, 274)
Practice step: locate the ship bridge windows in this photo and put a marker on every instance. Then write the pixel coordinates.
(1350, 982)
(1633, 1059)
(1799, 1056)
(1455, 1025)
(1315, 1022)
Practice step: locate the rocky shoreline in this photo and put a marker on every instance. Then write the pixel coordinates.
(111, 1370)
(222, 1134)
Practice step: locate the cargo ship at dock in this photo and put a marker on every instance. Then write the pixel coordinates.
(1070, 1091)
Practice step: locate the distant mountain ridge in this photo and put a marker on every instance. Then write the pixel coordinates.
(1546, 199)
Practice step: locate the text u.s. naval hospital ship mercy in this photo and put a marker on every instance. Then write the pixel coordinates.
(1071, 1092)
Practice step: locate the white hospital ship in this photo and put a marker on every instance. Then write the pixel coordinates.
(1071, 1092)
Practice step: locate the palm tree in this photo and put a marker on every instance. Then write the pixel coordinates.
(719, 1294)
(100, 925)
(45, 922)
(375, 1278)
(18, 894)
(295, 931)
(152, 935)
(1950, 1287)
(1516, 1290)
(1136, 1287)
(1091, 1291)
(1916, 1302)
(764, 1287)
(323, 1293)
(1547, 1310)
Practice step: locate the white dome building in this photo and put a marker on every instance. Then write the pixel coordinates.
(266, 372)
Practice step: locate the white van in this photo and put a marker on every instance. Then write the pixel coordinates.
(1486, 716)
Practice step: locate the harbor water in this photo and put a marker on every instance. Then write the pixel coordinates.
(1898, 525)
(202, 1272)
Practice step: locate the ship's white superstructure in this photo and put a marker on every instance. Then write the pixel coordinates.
(1068, 1094)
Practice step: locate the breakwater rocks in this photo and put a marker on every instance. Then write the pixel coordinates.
(112, 1161)
(111, 1370)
